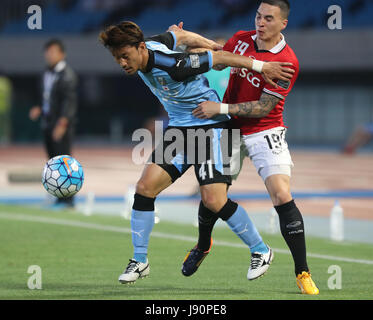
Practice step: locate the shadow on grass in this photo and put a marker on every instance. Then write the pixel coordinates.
(129, 291)
(138, 291)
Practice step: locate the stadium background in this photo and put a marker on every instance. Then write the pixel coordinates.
(336, 69)
(333, 95)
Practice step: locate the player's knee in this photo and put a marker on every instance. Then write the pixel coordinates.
(212, 202)
(145, 189)
(281, 197)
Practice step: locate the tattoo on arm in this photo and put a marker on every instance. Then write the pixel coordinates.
(254, 109)
(219, 67)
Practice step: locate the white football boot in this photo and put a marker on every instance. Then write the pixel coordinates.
(259, 264)
(134, 271)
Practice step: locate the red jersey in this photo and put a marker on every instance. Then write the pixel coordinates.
(246, 85)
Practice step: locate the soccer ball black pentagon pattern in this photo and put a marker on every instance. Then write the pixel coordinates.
(63, 176)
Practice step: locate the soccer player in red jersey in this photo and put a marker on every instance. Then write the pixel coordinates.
(257, 109)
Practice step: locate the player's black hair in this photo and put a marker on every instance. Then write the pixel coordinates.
(55, 42)
(126, 33)
(284, 5)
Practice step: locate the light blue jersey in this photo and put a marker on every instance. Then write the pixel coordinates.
(177, 81)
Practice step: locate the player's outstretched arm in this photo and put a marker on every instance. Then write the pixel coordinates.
(217, 67)
(222, 59)
(270, 70)
(250, 109)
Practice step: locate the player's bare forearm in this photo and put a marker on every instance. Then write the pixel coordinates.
(230, 59)
(254, 109)
(270, 70)
(194, 40)
(195, 50)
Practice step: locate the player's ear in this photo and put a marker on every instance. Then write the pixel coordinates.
(284, 24)
(142, 46)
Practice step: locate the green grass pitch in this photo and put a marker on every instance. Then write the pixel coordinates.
(81, 258)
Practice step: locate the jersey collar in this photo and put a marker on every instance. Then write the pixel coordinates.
(150, 63)
(276, 49)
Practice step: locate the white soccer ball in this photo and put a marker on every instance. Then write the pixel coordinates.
(63, 176)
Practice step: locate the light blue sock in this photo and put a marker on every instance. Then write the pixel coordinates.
(243, 227)
(142, 223)
(140, 257)
(261, 248)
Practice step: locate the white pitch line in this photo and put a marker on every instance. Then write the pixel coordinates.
(94, 226)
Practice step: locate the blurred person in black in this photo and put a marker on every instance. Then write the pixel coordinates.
(58, 107)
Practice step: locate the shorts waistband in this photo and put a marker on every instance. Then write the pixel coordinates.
(257, 134)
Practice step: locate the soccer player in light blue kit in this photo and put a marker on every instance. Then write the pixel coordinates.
(176, 79)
